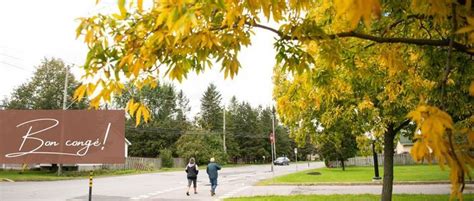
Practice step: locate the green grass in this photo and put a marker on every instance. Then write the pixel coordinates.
(171, 169)
(364, 197)
(31, 175)
(412, 173)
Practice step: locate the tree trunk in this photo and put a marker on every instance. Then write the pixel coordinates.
(388, 150)
(342, 164)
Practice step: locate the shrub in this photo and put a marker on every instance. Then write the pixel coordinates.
(166, 156)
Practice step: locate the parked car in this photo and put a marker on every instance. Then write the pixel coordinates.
(282, 161)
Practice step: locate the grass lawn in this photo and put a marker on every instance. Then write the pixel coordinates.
(364, 197)
(416, 173)
(32, 175)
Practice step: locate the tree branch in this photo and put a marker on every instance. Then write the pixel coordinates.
(403, 124)
(351, 34)
(415, 16)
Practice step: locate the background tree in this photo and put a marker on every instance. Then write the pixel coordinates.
(233, 148)
(364, 145)
(45, 90)
(202, 146)
(337, 146)
(168, 109)
(210, 117)
(320, 38)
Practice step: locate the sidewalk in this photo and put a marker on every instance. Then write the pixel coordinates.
(332, 189)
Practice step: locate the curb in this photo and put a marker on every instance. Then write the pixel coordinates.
(361, 183)
(5, 179)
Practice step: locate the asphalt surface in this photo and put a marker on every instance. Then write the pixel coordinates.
(171, 186)
(167, 186)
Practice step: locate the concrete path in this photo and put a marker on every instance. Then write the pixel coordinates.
(356, 189)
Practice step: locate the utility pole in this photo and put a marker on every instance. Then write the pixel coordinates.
(66, 73)
(271, 148)
(296, 158)
(223, 130)
(274, 135)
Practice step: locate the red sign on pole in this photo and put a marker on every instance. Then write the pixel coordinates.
(62, 136)
(272, 138)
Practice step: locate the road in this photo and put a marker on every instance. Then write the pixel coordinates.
(167, 186)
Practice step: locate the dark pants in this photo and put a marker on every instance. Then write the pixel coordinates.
(213, 184)
(192, 181)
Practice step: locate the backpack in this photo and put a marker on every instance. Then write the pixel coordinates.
(192, 171)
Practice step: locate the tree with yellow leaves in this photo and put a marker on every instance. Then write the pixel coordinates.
(373, 61)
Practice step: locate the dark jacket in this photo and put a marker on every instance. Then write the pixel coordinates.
(192, 171)
(212, 169)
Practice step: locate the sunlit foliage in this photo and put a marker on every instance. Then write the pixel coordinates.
(366, 61)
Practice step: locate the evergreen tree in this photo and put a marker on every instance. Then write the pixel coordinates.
(210, 117)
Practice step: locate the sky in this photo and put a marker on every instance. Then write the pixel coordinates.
(33, 30)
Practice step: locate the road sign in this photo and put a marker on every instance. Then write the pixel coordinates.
(272, 138)
(296, 150)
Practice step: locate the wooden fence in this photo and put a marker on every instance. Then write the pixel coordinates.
(398, 159)
(137, 163)
(131, 163)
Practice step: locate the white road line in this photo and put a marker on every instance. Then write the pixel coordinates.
(230, 194)
(148, 195)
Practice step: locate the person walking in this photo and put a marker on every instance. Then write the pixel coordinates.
(192, 171)
(211, 170)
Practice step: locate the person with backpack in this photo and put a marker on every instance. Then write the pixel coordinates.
(192, 171)
(211, 170)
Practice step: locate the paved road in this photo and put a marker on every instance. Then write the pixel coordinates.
(171, 186)
(167, 186)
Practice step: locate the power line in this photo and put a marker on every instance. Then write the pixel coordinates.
(6, 55)
(14, 66)
(170, 131)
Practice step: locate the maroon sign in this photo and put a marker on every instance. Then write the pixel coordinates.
(62, 136)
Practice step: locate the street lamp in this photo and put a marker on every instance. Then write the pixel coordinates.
(376, 161)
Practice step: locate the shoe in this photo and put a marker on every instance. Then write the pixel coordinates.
(195, 192)
(213, 194)
(187, 193)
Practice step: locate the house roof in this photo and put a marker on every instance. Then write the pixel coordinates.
(128, 142)
(405, 140)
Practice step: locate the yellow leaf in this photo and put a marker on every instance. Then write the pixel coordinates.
(132, 107)
(124, 60)
(95, 102)
(468, 28)
(465, 29)
(140, 5)
(89, 36)
(136, 68)
(79, 28)
(146, 114)
(123, 11)
(138, 116)
(79, 93)
(90, 89)
(353, 10)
